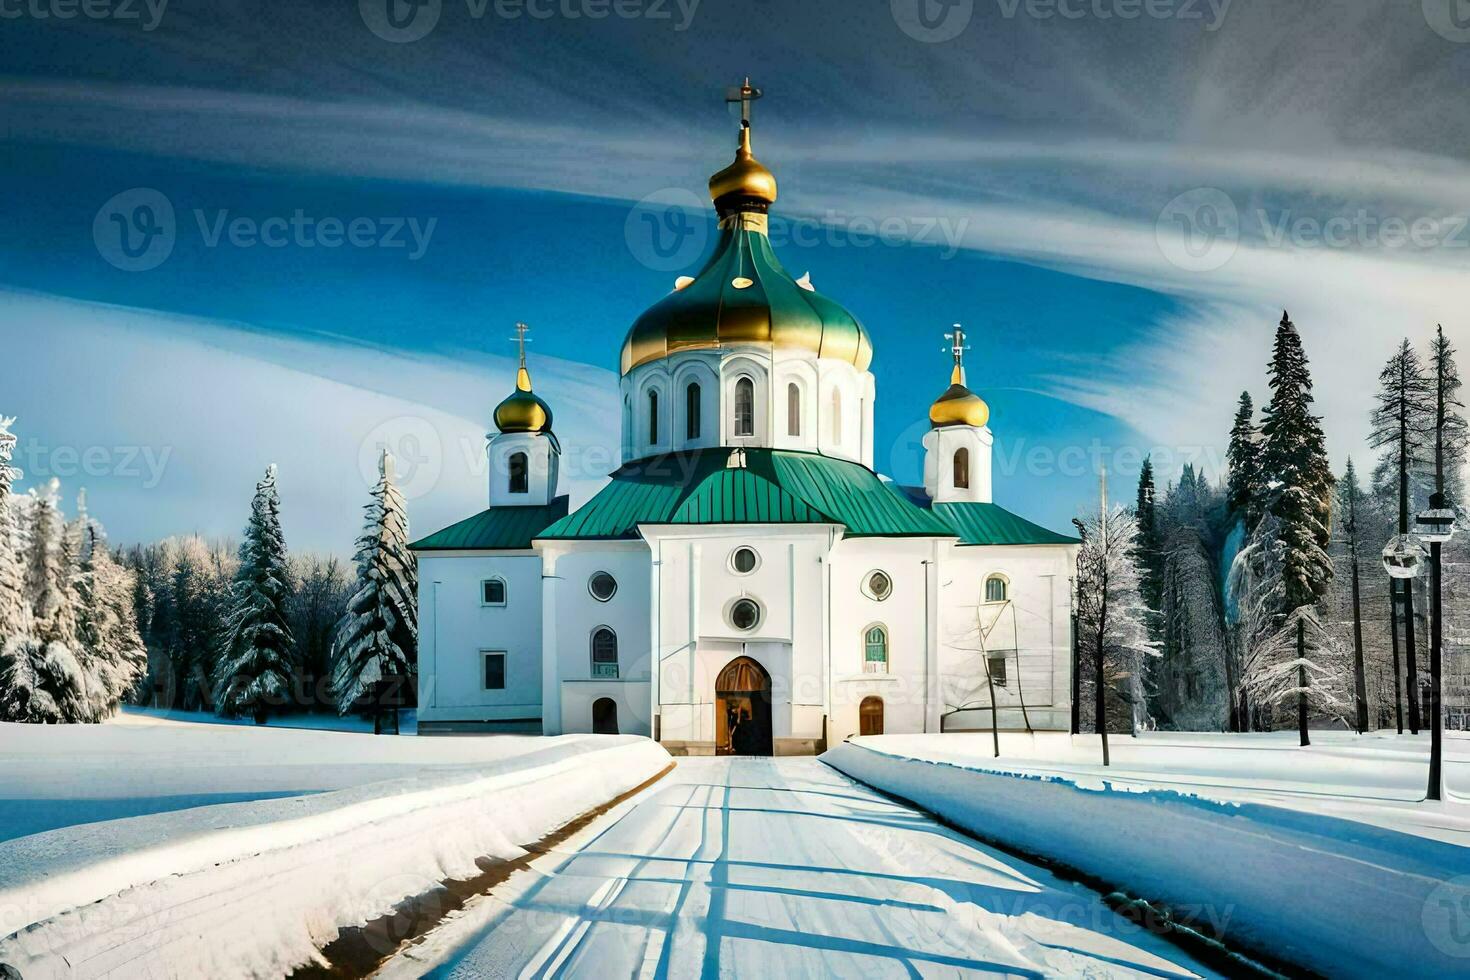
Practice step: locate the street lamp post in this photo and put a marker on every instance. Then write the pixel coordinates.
(1436, 525)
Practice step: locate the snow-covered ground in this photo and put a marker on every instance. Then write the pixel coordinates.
(1326, 857)
(321, 830)
(782, 868)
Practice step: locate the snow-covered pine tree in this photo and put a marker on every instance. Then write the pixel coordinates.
(1244, 489)
(108, 629)
(1297, 474)
(1403, 424)
(1149, 544)
(1112, 620)
(41, 679)
(378, 637)
(253, 676)
(15, 612)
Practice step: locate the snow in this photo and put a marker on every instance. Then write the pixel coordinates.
(332, 830)
(1326, 857)
(782, 868)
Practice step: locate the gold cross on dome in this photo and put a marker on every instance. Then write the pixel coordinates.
(745, 95)
(521, 341)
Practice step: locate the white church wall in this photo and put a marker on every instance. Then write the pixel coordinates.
(940, 446)
(906, 615)
(695, 639)
(571, 615)
(543, 461)
(456, 628)
(1033, 631)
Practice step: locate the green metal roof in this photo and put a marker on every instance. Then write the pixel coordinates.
(771, 487)
(499, 528)
(993, 524)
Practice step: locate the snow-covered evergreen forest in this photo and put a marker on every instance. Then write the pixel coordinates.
(189, 624)
(1229, 570)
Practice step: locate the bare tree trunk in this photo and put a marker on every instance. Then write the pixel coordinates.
(1100, 705)
(1301, 682)
(1393, 623)
(1076, 680)
(1359, 678)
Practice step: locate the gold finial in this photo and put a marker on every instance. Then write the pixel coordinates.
(523, 377)
(746, 182)
(957, 347)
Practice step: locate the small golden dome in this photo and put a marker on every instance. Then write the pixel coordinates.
(523, 411)
(747, 179)
(958, 405)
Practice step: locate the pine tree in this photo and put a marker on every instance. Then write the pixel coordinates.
(108, 629)
(1244, 490)
(1297, 475)
(49, 571)
(378, 637)
(253, 677)
(1450, 448)
(1149, 544)
(15, 614)
(1403, 422)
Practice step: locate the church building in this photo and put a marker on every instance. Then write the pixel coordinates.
(745, 582)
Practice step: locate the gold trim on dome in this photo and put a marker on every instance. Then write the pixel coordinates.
(958, 405)
(747, 221)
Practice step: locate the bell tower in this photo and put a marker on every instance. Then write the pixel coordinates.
(957, 447)
(524, 454)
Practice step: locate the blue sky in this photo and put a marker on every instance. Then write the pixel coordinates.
(1028, 173)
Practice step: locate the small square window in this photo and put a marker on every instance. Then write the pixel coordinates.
(998, 670)
(494, 670)
(492, 592)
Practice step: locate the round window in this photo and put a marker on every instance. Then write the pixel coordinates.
(744, 560)
(879, 586)
(602, 586)
(745, 614)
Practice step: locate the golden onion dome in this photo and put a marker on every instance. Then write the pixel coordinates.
(958, 405)
(743, 295)
(745, 182)
(523, 411)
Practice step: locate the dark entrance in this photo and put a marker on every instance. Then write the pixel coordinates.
(870, 716)
(743, 709)
(604, 717)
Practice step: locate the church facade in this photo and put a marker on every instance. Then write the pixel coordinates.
(745, 582)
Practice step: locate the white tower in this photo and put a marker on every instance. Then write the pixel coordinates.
(524, 454)
(957, 447)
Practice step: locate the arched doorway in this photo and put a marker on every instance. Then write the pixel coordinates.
(743, 709)
(604, 717)
(870, 716)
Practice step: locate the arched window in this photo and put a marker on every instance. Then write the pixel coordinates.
(875, 650)
(962, 469)
(870, 716)
(837, 415)
(793, 409)
(653, 418)
(604, 653)
(995, 589)
(604, 717)
(745, 407)
(691, 411)
(520, 473)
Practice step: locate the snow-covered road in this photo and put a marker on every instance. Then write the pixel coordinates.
(782, 868)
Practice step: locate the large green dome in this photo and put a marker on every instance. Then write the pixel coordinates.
(744, 296)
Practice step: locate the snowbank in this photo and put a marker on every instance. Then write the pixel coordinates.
(1338, 896)
(256, 888)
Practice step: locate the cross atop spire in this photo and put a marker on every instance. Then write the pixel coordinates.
(957, 347)
(744, 94)
(523, 377)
